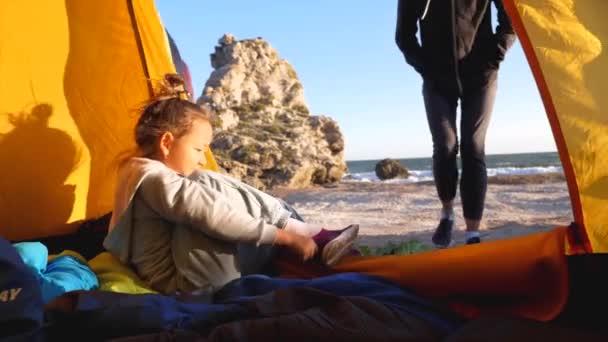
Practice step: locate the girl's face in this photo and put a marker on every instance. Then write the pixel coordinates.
(186, 154)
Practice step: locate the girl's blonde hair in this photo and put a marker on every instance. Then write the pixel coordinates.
(168, 112)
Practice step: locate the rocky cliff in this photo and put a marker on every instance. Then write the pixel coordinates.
(265, 135)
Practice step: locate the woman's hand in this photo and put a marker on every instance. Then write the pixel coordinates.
(305, 247)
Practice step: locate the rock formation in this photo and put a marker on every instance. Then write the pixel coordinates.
(390, 168)
(264, 134)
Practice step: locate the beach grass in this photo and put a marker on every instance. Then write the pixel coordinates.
(391, 248)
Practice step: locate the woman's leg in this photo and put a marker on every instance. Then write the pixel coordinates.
(440, 108)
(477, 105)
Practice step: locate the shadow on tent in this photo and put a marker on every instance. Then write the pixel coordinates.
(37, 160)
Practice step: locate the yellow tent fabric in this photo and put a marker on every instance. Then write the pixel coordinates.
(74, 75)
(563, 41)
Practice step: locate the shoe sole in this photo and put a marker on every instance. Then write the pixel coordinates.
(340, 246)
(444, 246)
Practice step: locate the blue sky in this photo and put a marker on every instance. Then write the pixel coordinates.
(345, 55)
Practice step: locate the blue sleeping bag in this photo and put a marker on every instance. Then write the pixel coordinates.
(21, 311)
(63, 274)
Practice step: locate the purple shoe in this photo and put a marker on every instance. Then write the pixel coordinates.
(335, 244)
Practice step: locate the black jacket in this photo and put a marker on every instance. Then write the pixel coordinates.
(457, 42)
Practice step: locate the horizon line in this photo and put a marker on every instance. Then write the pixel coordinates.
(488, 154)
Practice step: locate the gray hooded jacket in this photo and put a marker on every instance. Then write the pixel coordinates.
(184, 233)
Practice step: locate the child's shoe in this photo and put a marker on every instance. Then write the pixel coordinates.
(335, 244)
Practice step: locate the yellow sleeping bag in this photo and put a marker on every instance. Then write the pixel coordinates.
(114, 276)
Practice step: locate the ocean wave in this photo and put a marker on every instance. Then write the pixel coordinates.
(417, 176)
(524, 170)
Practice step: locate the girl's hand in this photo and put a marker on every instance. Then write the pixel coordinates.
(303, 246)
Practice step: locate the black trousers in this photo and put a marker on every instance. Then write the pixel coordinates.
(476, 104)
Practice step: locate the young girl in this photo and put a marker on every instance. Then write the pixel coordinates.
(185, 229)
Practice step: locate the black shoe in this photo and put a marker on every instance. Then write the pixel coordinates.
(442, 238)
(473, 240)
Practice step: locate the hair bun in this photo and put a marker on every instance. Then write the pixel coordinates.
(172, 85)
(174, 80)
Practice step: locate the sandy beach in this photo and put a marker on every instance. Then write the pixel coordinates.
(515, 206)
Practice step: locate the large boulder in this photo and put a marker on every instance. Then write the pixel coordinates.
(391, 168)
(264, 133)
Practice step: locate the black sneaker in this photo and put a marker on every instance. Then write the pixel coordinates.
(473, 240)
(442, 238)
